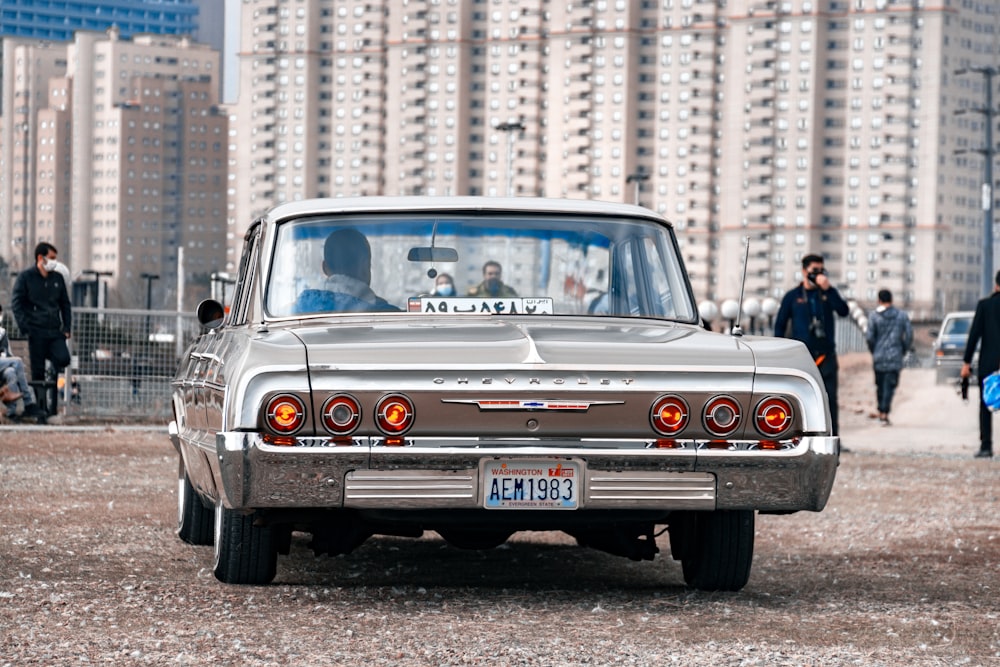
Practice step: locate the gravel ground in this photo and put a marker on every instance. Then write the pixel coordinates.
(903, 567)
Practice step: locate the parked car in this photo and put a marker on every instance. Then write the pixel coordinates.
(949, 345)
(572, 389)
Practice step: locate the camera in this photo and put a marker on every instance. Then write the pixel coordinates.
(816, 329)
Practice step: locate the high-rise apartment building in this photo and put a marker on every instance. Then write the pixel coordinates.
(115, 151)
(27, 70)
(57, 20)
(802, 125)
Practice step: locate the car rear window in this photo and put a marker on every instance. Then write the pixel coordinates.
(957, 326)
(548, 264)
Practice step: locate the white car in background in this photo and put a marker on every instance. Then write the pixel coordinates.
(948, 348)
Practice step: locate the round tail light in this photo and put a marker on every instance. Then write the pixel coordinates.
(773, 416)
(394, 414)
(341, 414)
(722, 416)
(285, 414)
(669, 415)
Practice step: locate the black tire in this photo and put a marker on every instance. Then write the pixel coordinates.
(244, 553)
(195, 522)
(719, 549)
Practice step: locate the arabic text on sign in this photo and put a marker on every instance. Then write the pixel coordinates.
(477, 306)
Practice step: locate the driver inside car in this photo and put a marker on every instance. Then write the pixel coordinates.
(347, 260)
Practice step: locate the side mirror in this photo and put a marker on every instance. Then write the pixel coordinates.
(933, 333)
(211, 314)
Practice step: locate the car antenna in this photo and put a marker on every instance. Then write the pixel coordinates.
(737, 331)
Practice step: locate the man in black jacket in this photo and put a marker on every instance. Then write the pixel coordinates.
(985, 331)
(42, 309)
(807, 313)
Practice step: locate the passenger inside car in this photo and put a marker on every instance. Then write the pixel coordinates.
(346, 288)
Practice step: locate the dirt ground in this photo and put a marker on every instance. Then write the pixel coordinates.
(903, 567)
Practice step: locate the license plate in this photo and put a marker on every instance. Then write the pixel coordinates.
(531, 484)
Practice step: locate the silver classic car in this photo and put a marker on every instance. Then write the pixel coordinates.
(478, 367)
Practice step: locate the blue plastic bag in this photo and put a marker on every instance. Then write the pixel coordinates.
(991, 391)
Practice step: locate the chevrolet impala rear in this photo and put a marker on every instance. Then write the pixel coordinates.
(565, 385)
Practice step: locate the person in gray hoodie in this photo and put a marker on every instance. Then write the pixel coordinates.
(889, 337)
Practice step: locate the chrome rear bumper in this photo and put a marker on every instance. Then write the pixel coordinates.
(253, 474)
(421, 489)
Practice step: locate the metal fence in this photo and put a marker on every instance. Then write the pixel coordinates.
(122, 362)
(850, 330)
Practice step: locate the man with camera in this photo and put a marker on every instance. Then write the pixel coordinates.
(807, 314)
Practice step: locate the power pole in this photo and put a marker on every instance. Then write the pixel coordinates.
(637, 178)
(510, 128)
(987, 151)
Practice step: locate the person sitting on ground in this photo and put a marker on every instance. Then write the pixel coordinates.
(347, 264)
(13, 381)
(492, 285)
(4, 339)
(14, 387)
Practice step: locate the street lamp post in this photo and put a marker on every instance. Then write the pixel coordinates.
(730, 310)
(222, 284)
(637, 178)
(752, 308)
(769, 307)
(149, 278)
(987, 151)
(97, 301)
(708, 312)
(510, 128)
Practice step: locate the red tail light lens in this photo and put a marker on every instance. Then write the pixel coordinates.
(773, 416)
(669, 415)
(341, 414)
(285, 414)
(394, 414)
(722, 415)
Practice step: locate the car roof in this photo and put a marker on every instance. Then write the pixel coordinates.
(348, 205)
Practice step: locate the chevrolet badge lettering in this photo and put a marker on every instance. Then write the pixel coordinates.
(604, 382)
(544, 405)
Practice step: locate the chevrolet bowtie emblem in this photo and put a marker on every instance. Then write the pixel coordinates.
(550, 405)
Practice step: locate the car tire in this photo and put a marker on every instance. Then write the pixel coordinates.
(195, 521)
(717, 549)
(244, 553)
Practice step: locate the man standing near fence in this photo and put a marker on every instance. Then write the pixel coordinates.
(43, 312)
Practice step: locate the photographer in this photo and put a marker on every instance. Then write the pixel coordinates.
(807, 314)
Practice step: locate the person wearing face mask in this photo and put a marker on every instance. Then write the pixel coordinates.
(41, 306)
(808, 313)
(492, 285)
(444, 285)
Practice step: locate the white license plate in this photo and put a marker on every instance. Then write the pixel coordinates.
(531, 484)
